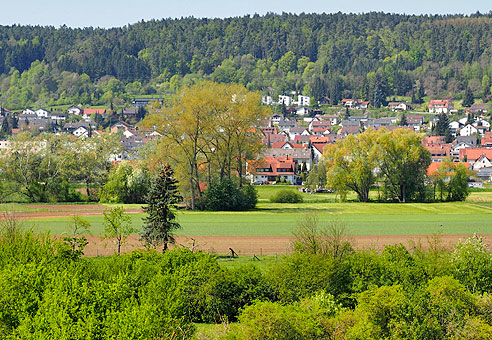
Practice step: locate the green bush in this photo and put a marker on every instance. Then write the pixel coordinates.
(286, 196)
(226, 195)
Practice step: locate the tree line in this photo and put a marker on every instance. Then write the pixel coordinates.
(371, 56)
(395, 162)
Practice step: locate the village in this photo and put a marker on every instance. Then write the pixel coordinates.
(292, 141)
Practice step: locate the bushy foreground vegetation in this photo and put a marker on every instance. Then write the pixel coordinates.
(325, 289)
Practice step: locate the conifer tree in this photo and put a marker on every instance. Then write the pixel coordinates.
(468, 99)
(161, 202)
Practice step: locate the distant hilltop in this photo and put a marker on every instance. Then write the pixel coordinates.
(321, 55)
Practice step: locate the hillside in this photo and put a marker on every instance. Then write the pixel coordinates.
(372, 56)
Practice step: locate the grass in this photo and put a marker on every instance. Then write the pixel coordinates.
(277, 219)
(272, 219)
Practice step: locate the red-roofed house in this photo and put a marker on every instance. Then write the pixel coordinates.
(471, 155)
(282, 145)
(434, 167)
(440, 106)
(320, 131)
(274, 138)
(319, 124)
(439, 152)
(270, 169)
(487, 140)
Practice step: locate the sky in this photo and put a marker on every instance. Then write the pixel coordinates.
(117, 13)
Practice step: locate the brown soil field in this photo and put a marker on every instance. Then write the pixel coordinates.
(269, 245)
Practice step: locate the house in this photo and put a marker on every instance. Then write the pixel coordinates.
(74, 110)
(478, 108)
(297, 131)
(326, 124)
(58, 117)
(433, 140)
(381, 122)
(299, 155)
(282, 145)
(41, 113)
(454, 127)
(318, 149)
(320, 131)
(482, 162)
(130, 113)
(28, 112)
(120, 126)
(267, 100)
(398, 106)
(348, 102)
(468, 130)
(303, 100)
(440, 106)
(439, 153)
(285, 100)
(324, 101)
(143, 102)
(415, 121)
(302, 111)
(435, 168)
(276, 118)
(462, 142)
(267, 130)
(86, 114)
(349, 130)
(332, 118)
(71, 127)
(81, 131)
(286, 124)
(270, 169)
(471, 155)
(486, 140)
(274, 137)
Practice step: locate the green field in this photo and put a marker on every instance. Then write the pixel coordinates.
(274, 219)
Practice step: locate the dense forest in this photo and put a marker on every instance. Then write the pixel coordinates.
(373, 55)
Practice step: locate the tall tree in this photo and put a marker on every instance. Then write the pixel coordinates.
(162, 198)
(403, 164)
(351, 163)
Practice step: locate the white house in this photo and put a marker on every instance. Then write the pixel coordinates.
(267, 100)
(28, 112)
(302, 111)
(42, 113)
(285, 100)
(482, 162)
(303, 100)
(454, 127)
(81, 132)
(468, 130)
(74, 110)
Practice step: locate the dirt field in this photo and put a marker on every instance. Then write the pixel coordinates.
(268, 245)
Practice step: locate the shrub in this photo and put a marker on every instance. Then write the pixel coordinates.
(286, 196)
(226, 195)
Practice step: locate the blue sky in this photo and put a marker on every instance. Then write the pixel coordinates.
(111, 13)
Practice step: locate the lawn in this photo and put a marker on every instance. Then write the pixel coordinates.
(273, 219)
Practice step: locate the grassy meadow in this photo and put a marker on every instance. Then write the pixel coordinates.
(275, 219)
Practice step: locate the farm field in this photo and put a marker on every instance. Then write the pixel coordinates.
(273, 223)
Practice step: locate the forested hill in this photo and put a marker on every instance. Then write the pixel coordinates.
(320, 54)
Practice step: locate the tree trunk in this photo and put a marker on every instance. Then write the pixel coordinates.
(166, 241)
